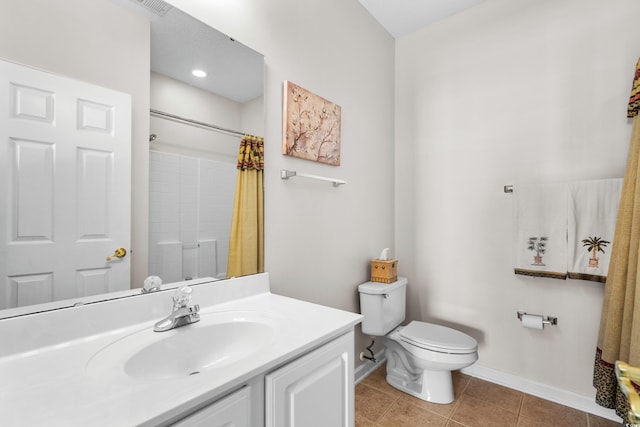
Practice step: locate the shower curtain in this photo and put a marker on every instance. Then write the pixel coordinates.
(619, 337)
(246, 242)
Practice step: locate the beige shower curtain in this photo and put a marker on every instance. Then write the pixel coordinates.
(619, 337)
(246, 242)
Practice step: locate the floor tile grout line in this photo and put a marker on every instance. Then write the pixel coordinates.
(459, 398)
(522, 397)
(396, 398)
(517, 411)
(446, 417)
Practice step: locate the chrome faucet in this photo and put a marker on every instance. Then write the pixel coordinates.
(182, 313)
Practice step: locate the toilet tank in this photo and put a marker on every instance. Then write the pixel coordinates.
(382, 305)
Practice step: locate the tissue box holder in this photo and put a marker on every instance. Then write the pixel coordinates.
(384, 271)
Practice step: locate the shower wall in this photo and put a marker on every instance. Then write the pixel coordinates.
(191, 201)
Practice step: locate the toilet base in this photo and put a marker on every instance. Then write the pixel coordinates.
(431, 386)
(420, 372)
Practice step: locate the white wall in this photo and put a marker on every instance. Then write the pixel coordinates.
(506, 93)
(252, 116)
(319, 239)
(180, 99)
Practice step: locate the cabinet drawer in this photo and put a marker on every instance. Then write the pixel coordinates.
(233, 410)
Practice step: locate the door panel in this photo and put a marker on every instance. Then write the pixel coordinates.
(65, 160)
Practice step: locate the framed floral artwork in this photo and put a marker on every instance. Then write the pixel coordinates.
(311, 126)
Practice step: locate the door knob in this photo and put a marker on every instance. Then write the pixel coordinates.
(119, 253)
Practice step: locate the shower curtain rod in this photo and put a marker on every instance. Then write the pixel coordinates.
(191, 122)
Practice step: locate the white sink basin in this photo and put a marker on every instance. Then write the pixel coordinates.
(217, 340)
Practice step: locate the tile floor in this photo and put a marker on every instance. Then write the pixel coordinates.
(478, 403)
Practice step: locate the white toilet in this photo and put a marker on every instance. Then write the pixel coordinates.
(420, 356)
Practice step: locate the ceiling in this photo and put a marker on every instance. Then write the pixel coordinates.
(181, 43)
(178, 42)
(401, 17)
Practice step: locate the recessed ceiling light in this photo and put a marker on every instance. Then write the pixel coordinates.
(199, 73)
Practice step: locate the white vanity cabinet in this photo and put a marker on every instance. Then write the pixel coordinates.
(314, 390)
(75, 370)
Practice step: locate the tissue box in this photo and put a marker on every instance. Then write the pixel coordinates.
(384, 271)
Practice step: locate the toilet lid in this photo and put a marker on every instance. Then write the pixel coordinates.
(438, 338)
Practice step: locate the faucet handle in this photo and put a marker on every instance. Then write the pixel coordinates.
(151, 284)
(182, 297)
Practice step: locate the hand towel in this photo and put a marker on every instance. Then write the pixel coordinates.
(592, 214)
(541, 230)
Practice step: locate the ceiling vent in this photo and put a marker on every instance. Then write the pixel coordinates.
(157, 7)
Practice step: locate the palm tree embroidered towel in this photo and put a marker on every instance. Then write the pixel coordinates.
(541, 230)
(592, 210)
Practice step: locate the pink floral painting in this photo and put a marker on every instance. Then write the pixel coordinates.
(311, 126)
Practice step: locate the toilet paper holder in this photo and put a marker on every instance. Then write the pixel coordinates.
(546, 320)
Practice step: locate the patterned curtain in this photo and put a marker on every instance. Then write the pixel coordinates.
(246, 242)
(619, 337)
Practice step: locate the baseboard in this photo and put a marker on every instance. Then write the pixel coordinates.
(566, 398)
(366, 368)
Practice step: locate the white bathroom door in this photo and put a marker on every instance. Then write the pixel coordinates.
(65, 188)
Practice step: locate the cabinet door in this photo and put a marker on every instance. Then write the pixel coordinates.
(314, 390)
(231, 411)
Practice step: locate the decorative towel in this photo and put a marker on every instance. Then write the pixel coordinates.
(592, 210)
(541, 230)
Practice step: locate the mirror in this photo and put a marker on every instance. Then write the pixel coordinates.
(194, 124)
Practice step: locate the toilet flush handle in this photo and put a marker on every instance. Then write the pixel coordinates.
(385, 296)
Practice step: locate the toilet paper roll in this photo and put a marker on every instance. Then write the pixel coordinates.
(532, 321)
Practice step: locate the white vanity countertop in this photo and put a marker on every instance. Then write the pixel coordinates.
(51, 385)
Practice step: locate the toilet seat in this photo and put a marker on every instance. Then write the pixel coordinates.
(437, 338)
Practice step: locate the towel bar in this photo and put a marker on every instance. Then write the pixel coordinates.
(286, 174)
